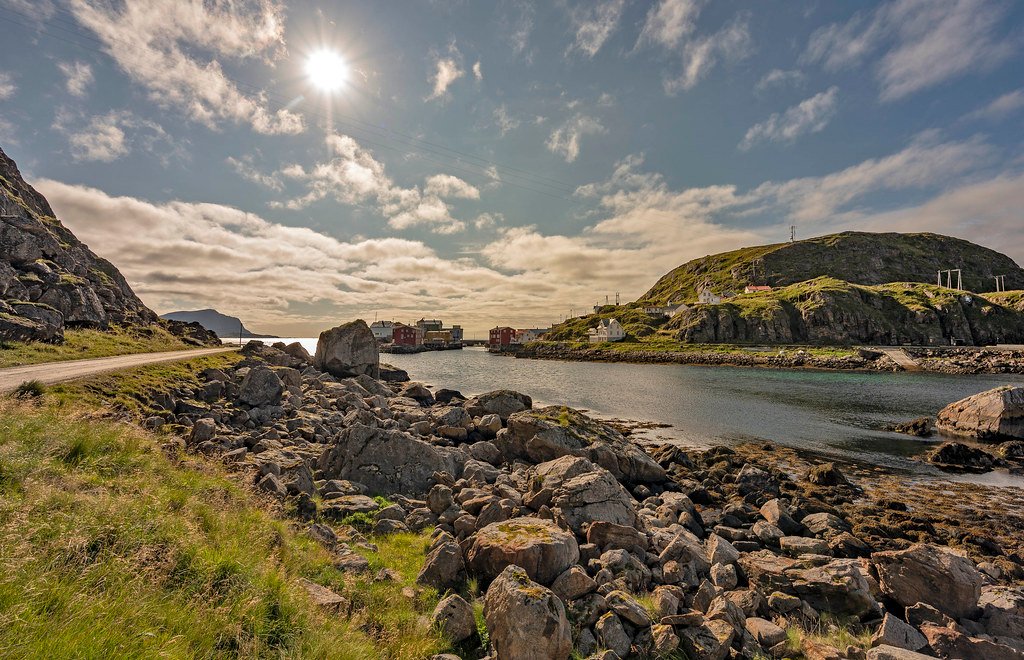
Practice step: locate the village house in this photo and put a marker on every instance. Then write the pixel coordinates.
(501, 337)
(756, 289)
(437, 338)
(708, 297)
(407, 335)
(526, 335)
(606, 330)
(429, 325)
(383, 331)
(457, 334)
(666, 310)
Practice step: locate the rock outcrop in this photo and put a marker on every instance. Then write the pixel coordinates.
(348, 350)
(997, 414)
(525, 621)
(49, 280)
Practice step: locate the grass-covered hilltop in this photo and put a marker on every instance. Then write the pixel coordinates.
(844, 289)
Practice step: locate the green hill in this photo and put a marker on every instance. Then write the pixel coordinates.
(856, 257)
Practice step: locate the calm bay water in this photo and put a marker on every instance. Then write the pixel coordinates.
(838, 414)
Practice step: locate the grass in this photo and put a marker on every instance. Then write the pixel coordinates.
(110, 548)
(79, 344)
(831, 631)
(30, 389)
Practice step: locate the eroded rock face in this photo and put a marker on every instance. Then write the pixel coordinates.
(997, 414)
(499, 402)
(549, 433)
(929, 574)
(44, 265)
(538, 546)
(525, 621)
(348, 350)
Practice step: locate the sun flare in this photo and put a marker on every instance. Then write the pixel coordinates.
(327, 70)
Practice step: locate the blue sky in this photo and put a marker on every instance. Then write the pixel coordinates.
(500, 162)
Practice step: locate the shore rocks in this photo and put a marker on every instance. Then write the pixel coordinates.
(261, 387)
(348, 350)
(956, 455)
(525, 620)
(538, 546)
(929, 574)
(997, 414)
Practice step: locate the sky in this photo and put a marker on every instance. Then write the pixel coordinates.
(499, 162)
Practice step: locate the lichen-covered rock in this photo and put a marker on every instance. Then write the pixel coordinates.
(539, 546)
(997, 414)
(453, 616)
(549, 433)
(443, 567)
(502, 403)
(348, 350)
(261, 387)
(525, 620)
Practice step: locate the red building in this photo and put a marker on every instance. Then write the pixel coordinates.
(501, 336)
(407, 335)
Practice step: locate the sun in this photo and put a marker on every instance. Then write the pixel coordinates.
(327, 70)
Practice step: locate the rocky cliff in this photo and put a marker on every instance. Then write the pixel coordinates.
(857, 257)
(49, 279)
(828, 311)
(214, 321)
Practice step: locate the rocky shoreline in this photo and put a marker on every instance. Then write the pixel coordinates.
(584, 542)
(961, 361)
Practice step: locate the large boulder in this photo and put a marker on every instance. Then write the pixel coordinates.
(348, 350)
(997, 414)
(387, 461)
(539, 546)
(549, 433)
(958, 456)
(583, 493)
(929, 574)
(261, 387)
(838, 587)
(524, 620)
(502, 403)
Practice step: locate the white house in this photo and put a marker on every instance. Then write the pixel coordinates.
(527, 335)
(666, 310)
(383, 331)
(606, 330)
(707, 297)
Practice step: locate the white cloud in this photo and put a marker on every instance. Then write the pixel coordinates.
(1001, 107)
(668, 22)
(477, 71)
(158, 43)
(447, 69)
(928, 42)
(811, 115)
(488, 220)
(353, 176)
(446, 185)
(520, 29)
(779, 78)
(7, 86)
(78, 76)
(700, 55)
(246, 169)
(505, 121)
(593, 22)
(107, 137)
(565, 140)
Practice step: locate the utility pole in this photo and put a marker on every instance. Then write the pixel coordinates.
(239, 332)
(792, 233)
(616, 298)
(1000, 282)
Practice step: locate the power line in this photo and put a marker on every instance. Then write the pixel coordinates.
(352, 123)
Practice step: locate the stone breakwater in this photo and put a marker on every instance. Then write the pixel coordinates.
(951, 361)
(583, 541)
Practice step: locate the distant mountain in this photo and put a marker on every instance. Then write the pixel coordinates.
(855, 257)
(225, 326)
(49, 279)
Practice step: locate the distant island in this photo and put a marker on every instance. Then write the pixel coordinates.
(226, 327)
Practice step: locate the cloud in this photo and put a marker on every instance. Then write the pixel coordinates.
(593, 22)
(246, 169)
(928, 43)
(158, 44)
(477, 71)
(447, 69)
(1001, 107)
(105, 138)
(700, 55)
(565, 140)
(809, 116)
(353, 176)
(504, 121)
(519, 30)
(7, 86)
(779, 78)
(488, 220)
(668, 22)
(78, 76)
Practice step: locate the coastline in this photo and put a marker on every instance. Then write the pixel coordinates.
(954, 361)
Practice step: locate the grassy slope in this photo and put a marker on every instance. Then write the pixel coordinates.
(80, 344)
(110, 548)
